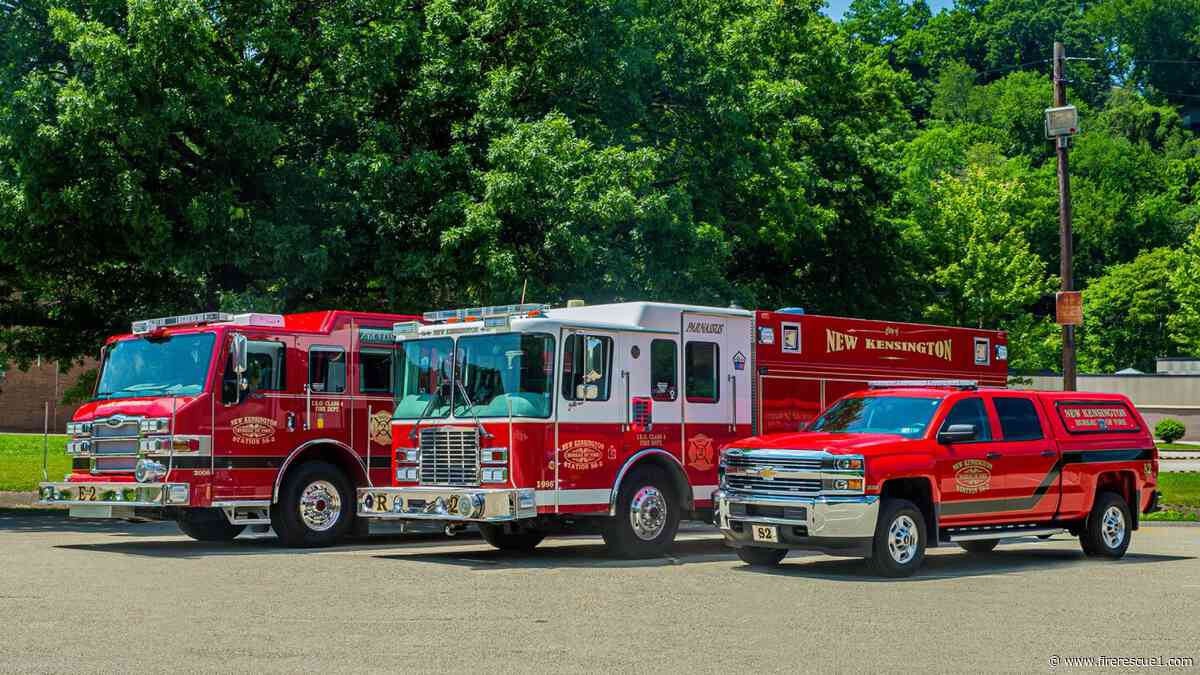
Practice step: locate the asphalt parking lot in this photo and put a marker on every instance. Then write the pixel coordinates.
(94, 596)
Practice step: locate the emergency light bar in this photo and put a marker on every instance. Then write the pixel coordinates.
(923, 384)
(146, 326)
(476, 313)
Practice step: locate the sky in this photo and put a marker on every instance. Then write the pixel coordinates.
(836, 8)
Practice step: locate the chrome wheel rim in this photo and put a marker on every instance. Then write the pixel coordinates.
(1112, 527)
(320, 505)
(648, 513)
(902, 540)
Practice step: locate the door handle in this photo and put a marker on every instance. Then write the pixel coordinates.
(1048, 453)
(993, 455)
(291, 421)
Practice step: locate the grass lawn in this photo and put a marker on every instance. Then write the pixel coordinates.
(1180, 489)
(21, 461)
(1186, 447)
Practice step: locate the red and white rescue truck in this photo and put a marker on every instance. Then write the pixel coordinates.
(223, 421)
(527, 420)
(888, 472)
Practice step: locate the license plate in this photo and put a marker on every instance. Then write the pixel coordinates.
(87, 494)
(765, 533)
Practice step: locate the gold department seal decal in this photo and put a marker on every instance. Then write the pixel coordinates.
(380, 427)
(972, 476)
(583, 454)
(253, 430)
(700, 452)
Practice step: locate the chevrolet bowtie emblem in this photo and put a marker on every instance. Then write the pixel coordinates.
(766, 473)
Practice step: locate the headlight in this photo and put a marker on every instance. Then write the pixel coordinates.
(494, 475)
(79, 428)
(408, 475)
(79, 447)
(408, 455)
(849, 463)
(493, 456)
(154, 425)
(843, 484)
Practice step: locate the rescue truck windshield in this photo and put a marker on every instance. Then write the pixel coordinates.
(900, 415)
(504, 372)
(424, 390)
(174, 366)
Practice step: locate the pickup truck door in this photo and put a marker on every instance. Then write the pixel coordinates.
(1028, 459)
(967, 480)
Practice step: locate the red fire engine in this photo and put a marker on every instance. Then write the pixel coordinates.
(527, 420)
(223, 421)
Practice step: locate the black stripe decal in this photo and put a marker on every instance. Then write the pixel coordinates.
(81, 464)
(225, 462)
(974, 506)
(381, 462)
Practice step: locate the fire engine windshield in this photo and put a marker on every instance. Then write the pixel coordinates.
(503, 371)
(175, 366)
(901, 415)
(424, 378)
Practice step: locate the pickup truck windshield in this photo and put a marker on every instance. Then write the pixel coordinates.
(901, 415)
(174, 366)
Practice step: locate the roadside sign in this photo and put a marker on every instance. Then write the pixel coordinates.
(1069, 306)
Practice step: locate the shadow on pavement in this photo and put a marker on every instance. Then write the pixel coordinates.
(261, 544)
(55, 520)
(553, 555)
(957, 565)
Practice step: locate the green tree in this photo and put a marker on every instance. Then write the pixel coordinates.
(1184, 324)
(1126, 312)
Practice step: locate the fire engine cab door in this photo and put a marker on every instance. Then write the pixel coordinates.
(716, 387)
(591, 417)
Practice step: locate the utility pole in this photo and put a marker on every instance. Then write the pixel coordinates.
(1064, 219)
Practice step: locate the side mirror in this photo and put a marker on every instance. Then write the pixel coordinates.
(238, 352)
(957, 433)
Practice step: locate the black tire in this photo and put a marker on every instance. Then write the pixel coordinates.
(758, 556)
(910, 538)
(328, 520)
(523, 541)
(979, 546)
(1109, 527)
(660, 511)
(207, 525)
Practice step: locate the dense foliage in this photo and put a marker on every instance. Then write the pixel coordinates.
(162, 156)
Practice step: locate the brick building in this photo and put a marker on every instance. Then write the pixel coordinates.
(24, 394)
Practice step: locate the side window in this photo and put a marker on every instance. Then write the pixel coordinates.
(265, 364)
(970, 411)
(265, 369)
(702, 372)
(1018, 419)
(664, 370)
(587, 367)
(327, 370)
(375, 371)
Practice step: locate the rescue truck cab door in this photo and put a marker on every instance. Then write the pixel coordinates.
(716, 358)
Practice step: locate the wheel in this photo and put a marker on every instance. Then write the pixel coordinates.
(207, 525)
(315, 507)
(524, 541)
(899, 545)
(647, 515)
(1107, 531)
(761, 557)
(979, 546)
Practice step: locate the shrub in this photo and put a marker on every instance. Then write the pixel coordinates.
(1169, 430)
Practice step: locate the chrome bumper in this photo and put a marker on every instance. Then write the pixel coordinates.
(833, 518)
(473, 505)
(112, 500)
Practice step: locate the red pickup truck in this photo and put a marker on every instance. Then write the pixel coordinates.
(888, 472)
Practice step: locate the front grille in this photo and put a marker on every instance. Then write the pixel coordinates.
(791, 486)
(449, 456)
(785, 463)
(114, 446)
(115, 464)
(128, 428)
(737, 510)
